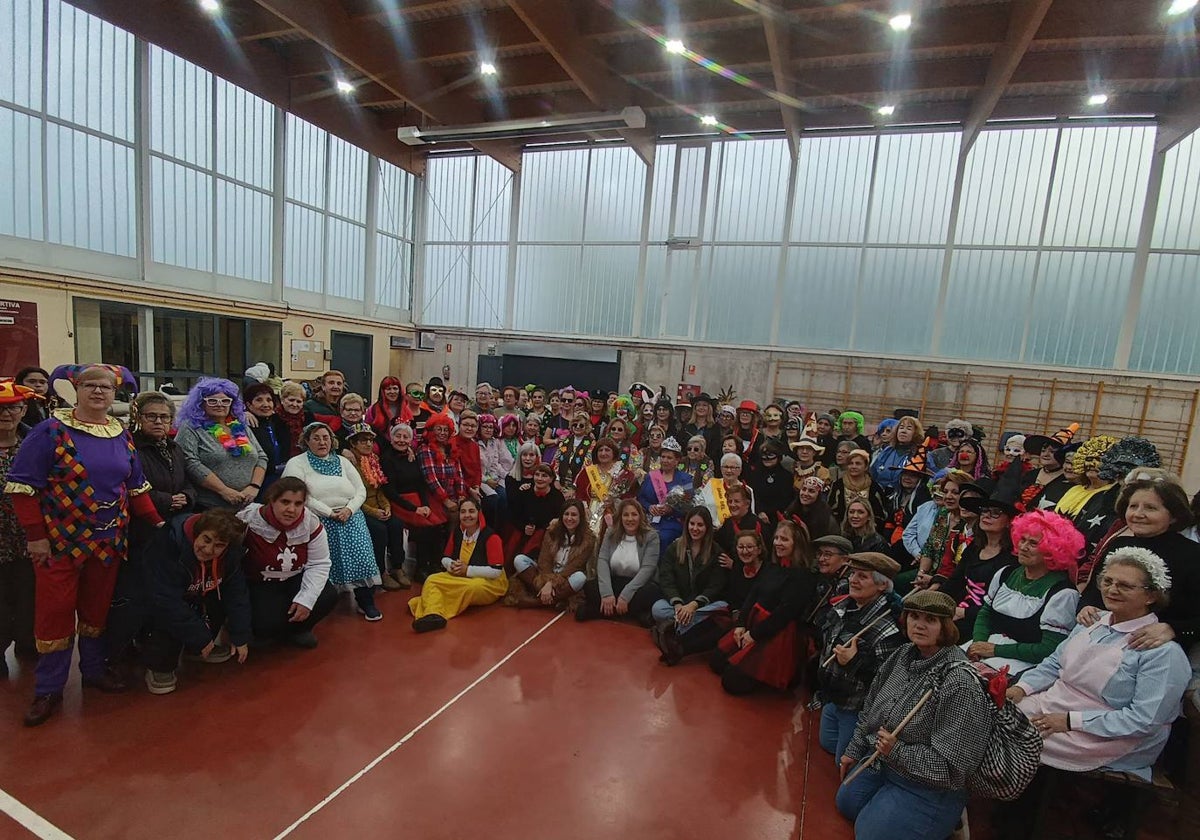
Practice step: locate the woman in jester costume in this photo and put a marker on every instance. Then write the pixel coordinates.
(74, 484)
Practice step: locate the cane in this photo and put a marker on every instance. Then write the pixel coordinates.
(878, 618)
(896, 731)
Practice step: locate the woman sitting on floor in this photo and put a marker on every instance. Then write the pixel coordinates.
(918, 789)
(559, 572)
(692, 583)
(858, 526)
(625, 569)
(473, 576)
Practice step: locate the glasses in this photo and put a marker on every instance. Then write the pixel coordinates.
(155, 418)
(98, 387)
(218, 401)
(12, 408)
(1120, 585)
(991, 512)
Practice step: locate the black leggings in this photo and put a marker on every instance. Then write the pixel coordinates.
(269, 604)
(387, 537)
(639, 607)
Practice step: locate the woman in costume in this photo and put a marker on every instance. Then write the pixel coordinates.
(602, 483)
(386, 530)
(856, 483)
(16, 570)
(389, 407)
(412, 504)
(224, 461)
(74, 484)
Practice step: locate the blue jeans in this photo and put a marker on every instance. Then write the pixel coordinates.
(837, 728)
(663, 611)
(883, 805)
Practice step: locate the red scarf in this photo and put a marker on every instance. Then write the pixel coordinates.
(295, 427)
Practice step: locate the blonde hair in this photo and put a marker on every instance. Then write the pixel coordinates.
(292, 389)
(351, 397)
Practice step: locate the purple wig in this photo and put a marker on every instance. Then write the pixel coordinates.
(191, 413)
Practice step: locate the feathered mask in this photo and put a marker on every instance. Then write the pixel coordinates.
(1126, 455)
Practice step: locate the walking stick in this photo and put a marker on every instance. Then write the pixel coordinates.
(896, 731)
(878, 618)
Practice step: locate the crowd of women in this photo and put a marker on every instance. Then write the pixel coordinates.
(884, 572)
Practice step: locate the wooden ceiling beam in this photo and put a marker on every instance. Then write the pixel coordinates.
(555, 27)
(1179, 118)
(371, 50)
(1023, 24)
(779, 48)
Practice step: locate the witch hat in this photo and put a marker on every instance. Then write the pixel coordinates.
(1035, 443)
(1004, 495)
(917, 463)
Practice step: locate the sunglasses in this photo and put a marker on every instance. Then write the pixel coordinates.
(218, 401)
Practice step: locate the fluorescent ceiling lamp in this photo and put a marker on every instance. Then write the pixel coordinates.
(900, 23)
(675, 47)
(511, 129)
(344, 87)
(210, 6)
(1098, 99)
(486, 68)
(1181, 7)
(708, 119)
(887, 110)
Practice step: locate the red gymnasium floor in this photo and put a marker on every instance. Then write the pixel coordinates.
(506, 725)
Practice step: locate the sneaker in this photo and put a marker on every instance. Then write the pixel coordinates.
(304, 640)
(367, 609)
(219, 654)
(160, 682)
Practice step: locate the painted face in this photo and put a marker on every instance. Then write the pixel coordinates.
(966, 458)
(1015, 451)
(435, 394)
(773, 417)
(288, 507)
(793, 412)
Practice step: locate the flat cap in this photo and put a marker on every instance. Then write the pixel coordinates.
(934, 603)
(874, 561)
(835, 541)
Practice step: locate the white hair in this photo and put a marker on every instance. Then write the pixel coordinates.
(1144, 559)
(883, 581)
(731, 458)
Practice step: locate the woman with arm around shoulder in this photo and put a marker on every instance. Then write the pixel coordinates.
(473, 576)
(918, 788)
(625, 569)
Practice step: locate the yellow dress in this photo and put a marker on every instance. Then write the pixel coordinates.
(448, 595)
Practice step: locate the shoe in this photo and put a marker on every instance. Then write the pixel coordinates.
(160, 682)
(219, 654)
(390, 584)
(109, 682)
(305, 640)
(426, 623)
(403, 579)
(42, 708)
(668, 642)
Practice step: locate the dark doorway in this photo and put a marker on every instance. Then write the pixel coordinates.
(352, 356)
(491, 370)
(555, 373)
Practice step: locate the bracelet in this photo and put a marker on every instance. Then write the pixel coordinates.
(255, 486)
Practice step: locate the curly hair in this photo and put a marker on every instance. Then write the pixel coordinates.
(1089, 455)
(623, 401)
(1061, 544)
(191, 413)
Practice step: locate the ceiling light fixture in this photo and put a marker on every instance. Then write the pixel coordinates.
(901, 23)
(1181, 7)
(708, 119)
(210, 6)
(486, 68)
(675, 47)
(887, 110)
(412, 135)
(344, 87)
(1098, 99)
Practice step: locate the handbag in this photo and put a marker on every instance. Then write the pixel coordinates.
(1014, 749)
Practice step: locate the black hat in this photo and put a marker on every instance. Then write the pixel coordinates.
(435, 382)
(1004, 493)
(1035, 443)
(703, 397)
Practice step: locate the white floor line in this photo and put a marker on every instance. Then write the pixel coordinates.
(34, 822)
(342, 787)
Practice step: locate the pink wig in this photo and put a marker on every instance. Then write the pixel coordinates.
(1062, 545)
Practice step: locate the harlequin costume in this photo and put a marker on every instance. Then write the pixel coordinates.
(75, 484)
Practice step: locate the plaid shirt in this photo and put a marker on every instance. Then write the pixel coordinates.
(442, 473)
(846, 685)
(946, 739)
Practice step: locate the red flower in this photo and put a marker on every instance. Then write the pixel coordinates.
(997, 685)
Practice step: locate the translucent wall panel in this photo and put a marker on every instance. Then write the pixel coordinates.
(896, 301)
(818, 297)
(914, 182)
(304, 161)
(347, 180)
(1004, 187)
(345, 253)
(493, 202)
(21, 52)
(181, 109)
(662, 196)
(449, 189)
(245, 136)
(986, 304)
(833, 181)
(616, 193)
(447, 278)
(20, 175)
(89, 71)
(1167, 339)
(545, 294)
(606, 288)
(485, 295)
(303, 249)
(393, 266)
(552, 196)
(752, 193)
(1177, 225)
(689, 191)
(395, 197)
(182, 219)
(1099, 187)
(738, 298)
(681, 292)
(90, 203)
(243, 232)
(1077, 308)
(656, 270)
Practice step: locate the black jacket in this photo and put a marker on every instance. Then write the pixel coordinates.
(176, 598)
(276, 440)
(167, 476)
(682, 582)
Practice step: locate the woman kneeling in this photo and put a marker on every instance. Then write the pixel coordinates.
(474, 573)
(557, 576)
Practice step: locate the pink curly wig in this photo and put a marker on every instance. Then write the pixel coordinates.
(1062, 545)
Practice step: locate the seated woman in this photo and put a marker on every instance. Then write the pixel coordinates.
(196, 588)
(920, 788)
(286, 565)
(665, 493)
(602, 483)
(696, 462)
(812, 510)
(945, 533)
(495, 461)
(409, 496)
(625, 569)
(532, 506)
(560, 571)
(651, 452)
(853, 662)
(714, 495)
(473, 576)
(761, 651)
(692, 584)
(989, 551)
(386, 530)
(858, 526)
(223, 458)
(1030, 608)
(336, 494)
(856, 483)
(621, 432)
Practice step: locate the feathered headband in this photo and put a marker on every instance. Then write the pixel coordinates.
(71, 373)
(1147, 561)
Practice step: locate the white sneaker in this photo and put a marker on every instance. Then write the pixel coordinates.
(160, 682)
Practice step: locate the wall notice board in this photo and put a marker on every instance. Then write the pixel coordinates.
(18, 335)
(308, 356)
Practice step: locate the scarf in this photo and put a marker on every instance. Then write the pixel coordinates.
(329, 465)
(232, 436)
(372, 473)
(295, 427)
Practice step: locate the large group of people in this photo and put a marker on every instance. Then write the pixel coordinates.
(789, 546)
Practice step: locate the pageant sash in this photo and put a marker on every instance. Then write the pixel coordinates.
(596, 480)
(717, 485)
